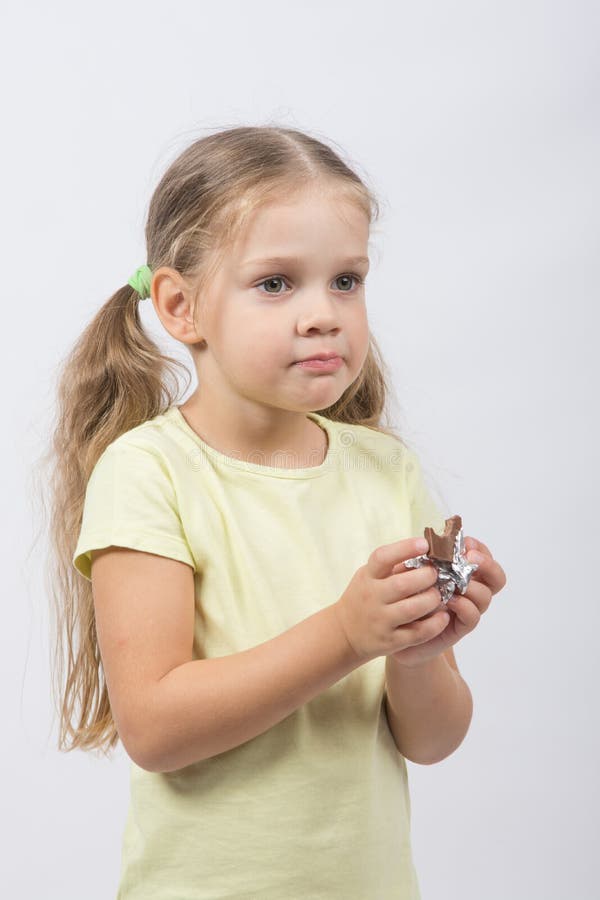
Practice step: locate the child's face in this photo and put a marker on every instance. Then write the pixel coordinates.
(259, 318)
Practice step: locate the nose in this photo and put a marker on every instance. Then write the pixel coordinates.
(318, 313)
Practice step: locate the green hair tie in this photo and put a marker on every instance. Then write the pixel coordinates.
(141, 280)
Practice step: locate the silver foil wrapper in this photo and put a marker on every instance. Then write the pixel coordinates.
(451, 575)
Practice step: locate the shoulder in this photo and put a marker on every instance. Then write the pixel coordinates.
(144, 463)
(132, 498)
(150, 443)
(395, 467)
(381, 448)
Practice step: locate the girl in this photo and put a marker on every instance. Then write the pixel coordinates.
(234, 565)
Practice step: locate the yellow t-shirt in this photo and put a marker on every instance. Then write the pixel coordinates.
(317, 806)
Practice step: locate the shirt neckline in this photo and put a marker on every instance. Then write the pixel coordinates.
(175, 415)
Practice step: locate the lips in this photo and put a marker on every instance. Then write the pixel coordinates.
(330, 355)
(332, 364)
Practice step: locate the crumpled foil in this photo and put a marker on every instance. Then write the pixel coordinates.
(451, 575)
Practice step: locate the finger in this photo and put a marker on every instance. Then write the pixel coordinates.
(407, 584)
(414, 610)
(466, 611)
(383, 559)
(476, 593)
(472, 543)
(489, 571)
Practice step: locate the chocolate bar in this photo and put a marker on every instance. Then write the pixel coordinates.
(441, 546)
(447, 553)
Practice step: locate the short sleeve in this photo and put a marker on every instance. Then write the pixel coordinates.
(130, 501)
(424, 509)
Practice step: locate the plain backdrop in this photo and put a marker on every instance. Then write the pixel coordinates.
(478, 126)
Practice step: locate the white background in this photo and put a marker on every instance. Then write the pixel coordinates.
(478, 126)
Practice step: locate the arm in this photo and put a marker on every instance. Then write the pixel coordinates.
(171, 710)
(429, 705)
(208, 706)
(429, 708)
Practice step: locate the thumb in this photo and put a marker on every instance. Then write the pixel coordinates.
(384, 558)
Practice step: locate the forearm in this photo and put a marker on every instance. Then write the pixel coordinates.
(208, 706)
(429, 708)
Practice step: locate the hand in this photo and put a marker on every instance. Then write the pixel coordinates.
(465, 610)
(381, 612)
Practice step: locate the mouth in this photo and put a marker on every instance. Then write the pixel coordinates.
(328, 355)
(329, 363)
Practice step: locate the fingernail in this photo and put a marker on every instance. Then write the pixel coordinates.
(422, 545)
(474, 556)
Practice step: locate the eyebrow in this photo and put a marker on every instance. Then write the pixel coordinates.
(284, 260)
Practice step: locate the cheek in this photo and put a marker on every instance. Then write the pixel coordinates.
(258, 342)
(359, 327)
(364, 327)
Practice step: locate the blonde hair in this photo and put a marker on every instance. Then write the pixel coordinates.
(114, 377)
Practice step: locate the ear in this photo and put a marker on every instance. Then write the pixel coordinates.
(172, 300)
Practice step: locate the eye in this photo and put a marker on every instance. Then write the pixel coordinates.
(273, 278)
(279, 278)
(357, 278)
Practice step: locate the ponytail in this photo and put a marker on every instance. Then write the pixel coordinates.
(114, 378)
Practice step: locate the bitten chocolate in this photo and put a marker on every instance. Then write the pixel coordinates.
(447, 553)
(441, 546)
